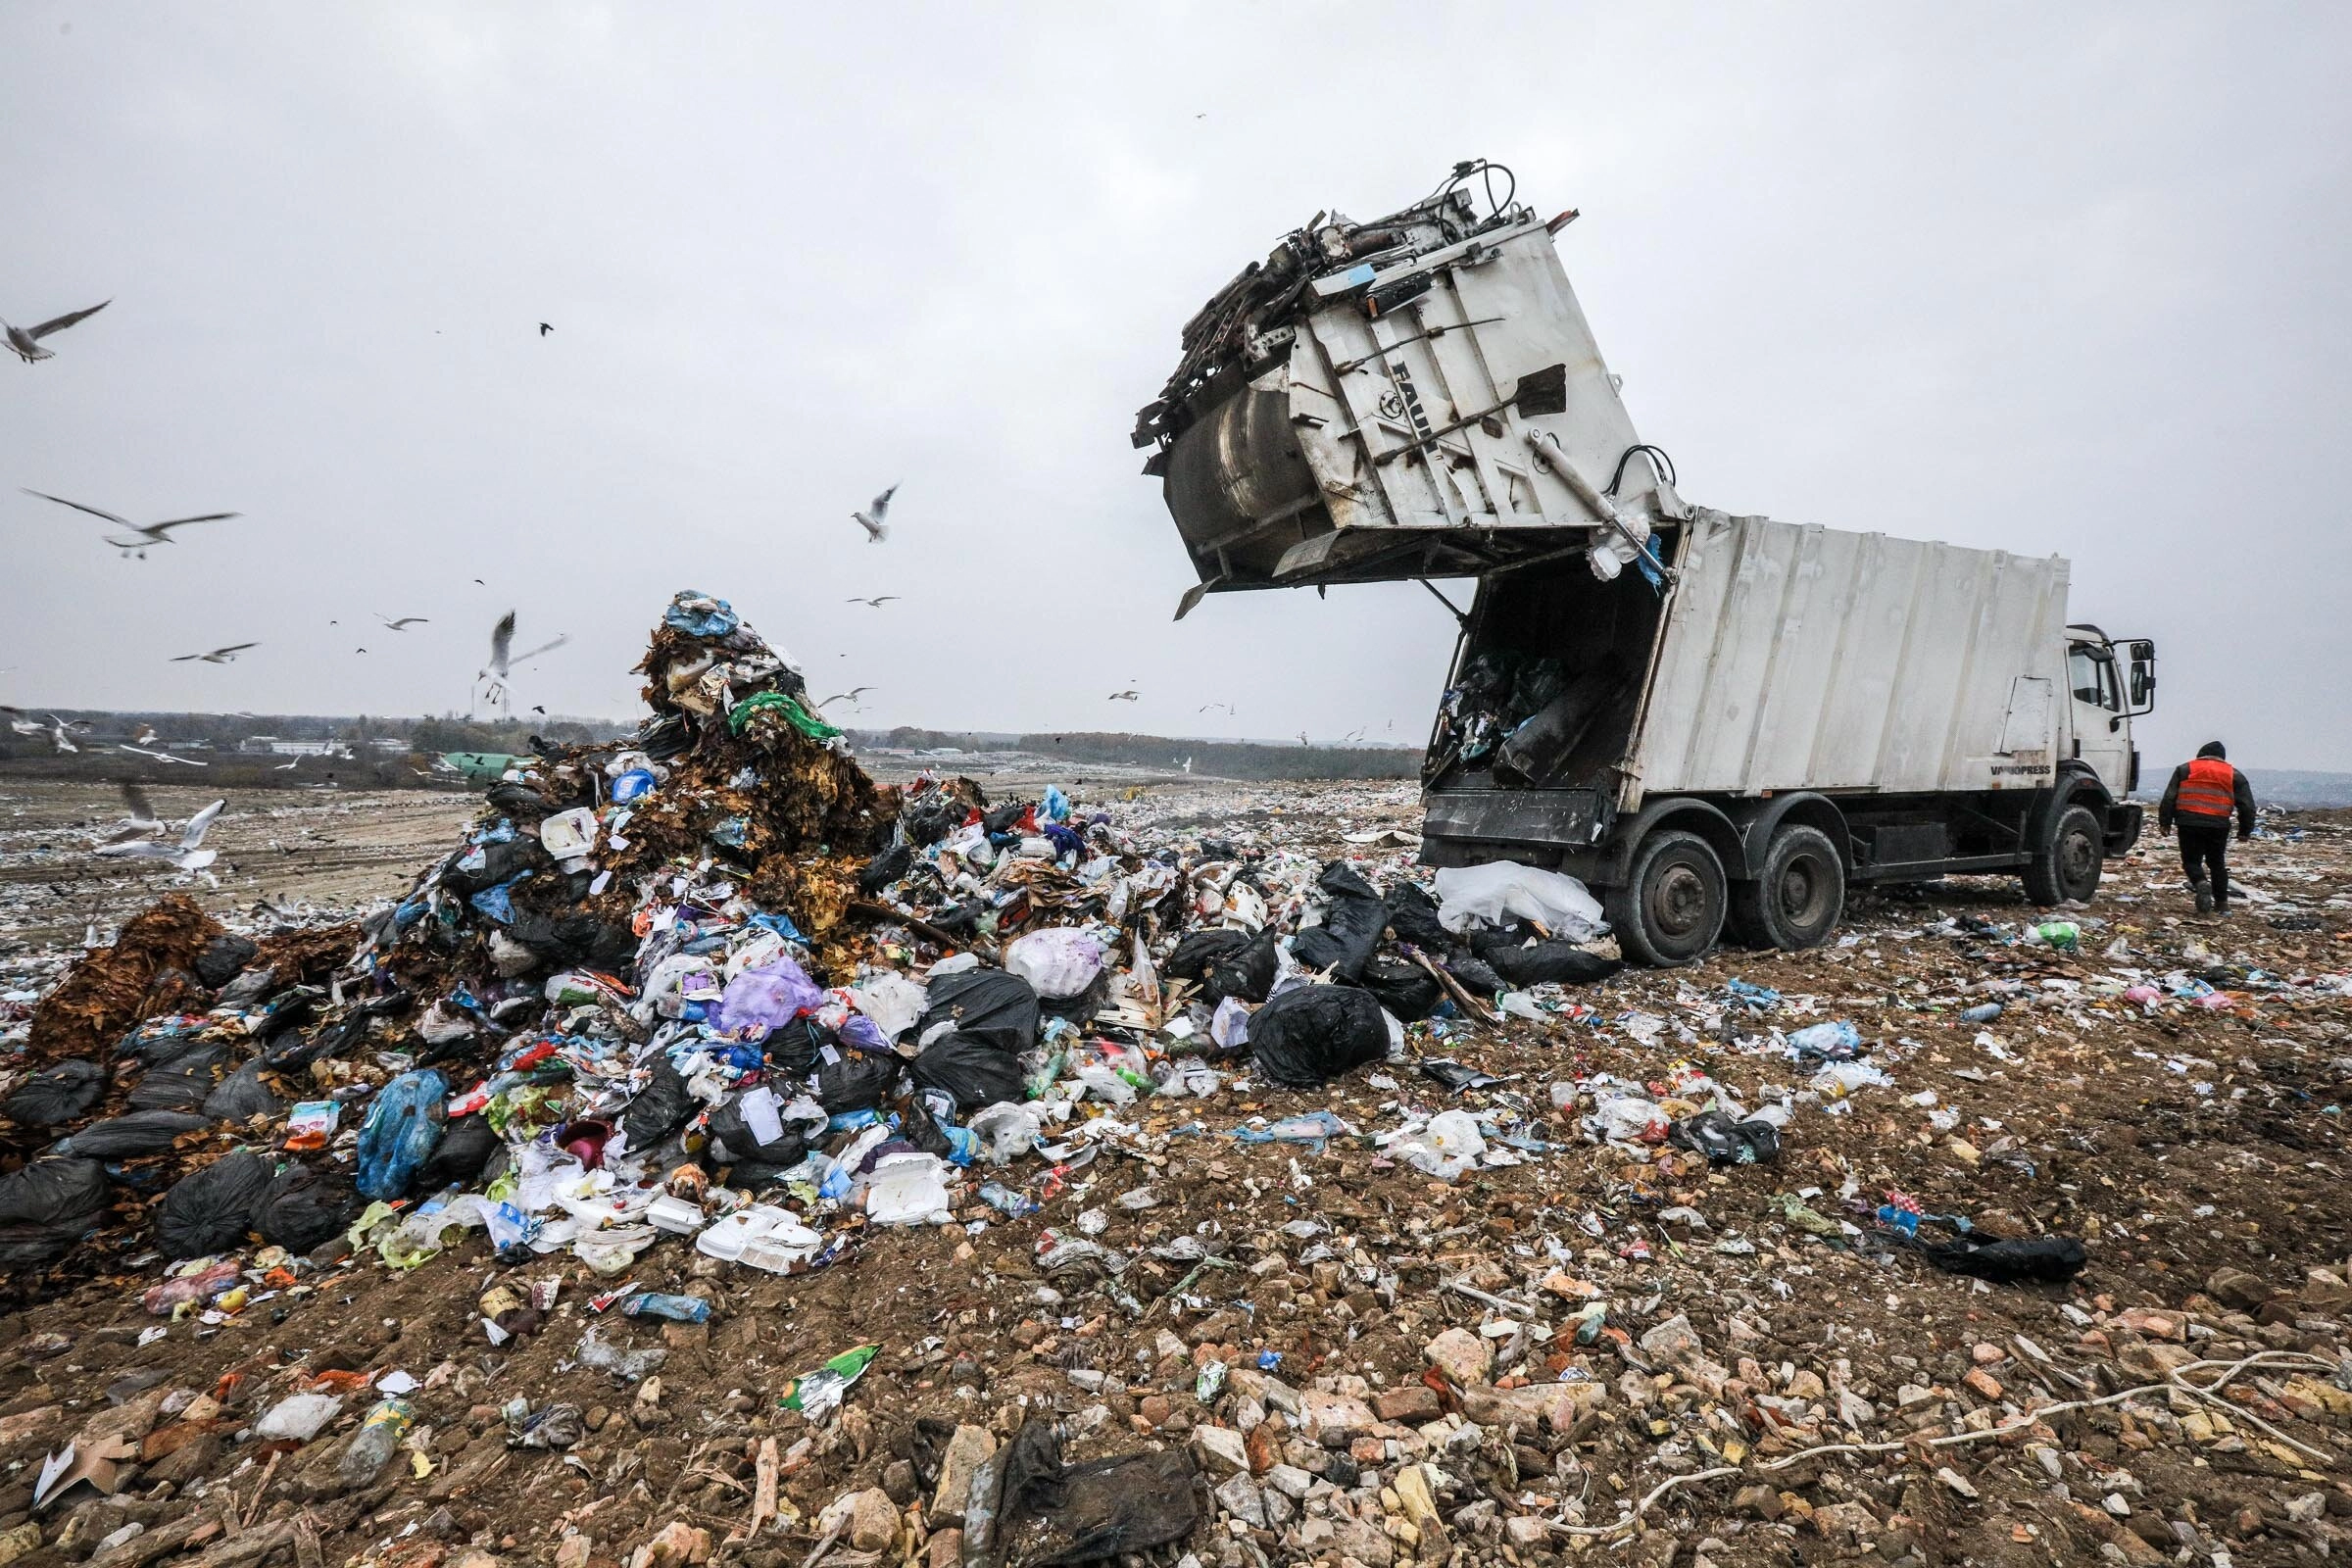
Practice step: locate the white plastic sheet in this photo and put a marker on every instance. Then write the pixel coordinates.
(1503, 891)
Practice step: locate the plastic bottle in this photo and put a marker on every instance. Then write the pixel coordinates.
(1984, 1013)
(998, 1195)
(677, 1309)
(376, 1441)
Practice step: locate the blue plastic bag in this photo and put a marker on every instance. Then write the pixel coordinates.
(698, 614)
(1829, 1041)
(400, 1132)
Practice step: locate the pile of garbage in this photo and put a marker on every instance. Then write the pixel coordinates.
(710, 981)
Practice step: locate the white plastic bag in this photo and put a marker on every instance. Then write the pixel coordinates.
(1006, 1131)
(1446, 1147)
(892, 1000)
(1058, 961)
(1497, 893)
(298, 1418)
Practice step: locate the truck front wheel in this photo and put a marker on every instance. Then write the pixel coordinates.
(1795, 901)
(2069, 865)
(1671, 909)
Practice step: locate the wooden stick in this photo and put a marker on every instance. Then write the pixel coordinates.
(1476, 1008)
(921, 928)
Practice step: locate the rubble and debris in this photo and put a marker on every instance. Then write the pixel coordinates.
(1523, 1261)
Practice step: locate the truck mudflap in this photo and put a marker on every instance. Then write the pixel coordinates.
(1463, 827)
(2125, 824)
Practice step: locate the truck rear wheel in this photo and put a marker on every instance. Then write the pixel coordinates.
(1671, 909)
(1797, 899)
(2070, 863)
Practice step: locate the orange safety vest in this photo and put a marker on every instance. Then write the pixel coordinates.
(2210, 790)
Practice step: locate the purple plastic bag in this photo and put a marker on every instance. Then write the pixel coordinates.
(759, 1001)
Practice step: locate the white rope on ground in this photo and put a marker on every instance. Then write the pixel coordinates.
(2175, 1379)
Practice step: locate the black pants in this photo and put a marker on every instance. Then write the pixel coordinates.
(2205, 856)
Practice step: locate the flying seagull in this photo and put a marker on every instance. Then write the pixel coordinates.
(870, 520)
(283, 766)
(26, 340)
(139, 815)
(58, 728)
(218, 656)
(876, 602)
(404, 622)
(1127, 696)
(544, 329)
(187, 856)
(144, 537)
(1205, 706)
(20, 721)
(849, 697)
(162, 757)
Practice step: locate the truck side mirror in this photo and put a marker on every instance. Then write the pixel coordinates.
(2141, 683)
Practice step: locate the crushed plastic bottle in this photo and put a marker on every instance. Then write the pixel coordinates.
(1003, 1198)
(1829, 1041)
(1984, 1013)
(628, 1366)
(377, 1439)
(677, 1309)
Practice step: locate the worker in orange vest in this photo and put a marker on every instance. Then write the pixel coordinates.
(2202, 797)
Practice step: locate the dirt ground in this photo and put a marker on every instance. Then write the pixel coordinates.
(1752, 1316)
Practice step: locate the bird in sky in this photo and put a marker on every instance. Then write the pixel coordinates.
(145, 736)
(870, 520)
(1303, 737)
(144, 537)
(162, 757)
(58, 728)
(358, 650)
(539, 709)
(544, 329)
(1205, 706)
(20, 721)
(849, 697)
(218, 656)
(283, 766)
(1127, 696)
(187, 856)
(26, 340)
(1356, 734)
(404, 622)
(139, 816)
(877, 603)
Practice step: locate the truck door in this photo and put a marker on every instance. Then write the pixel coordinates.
(2101, 738)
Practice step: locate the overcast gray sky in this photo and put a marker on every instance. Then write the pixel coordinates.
(2052, 279)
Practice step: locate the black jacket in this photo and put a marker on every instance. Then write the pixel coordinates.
(2167, 809)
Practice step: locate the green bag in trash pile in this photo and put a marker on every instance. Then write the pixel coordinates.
(817, 1394)
(799, 717)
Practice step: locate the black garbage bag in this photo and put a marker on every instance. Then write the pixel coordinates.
(2032, 1260)
(1408, 992)
(1725, 1141)
(999, 820)
(1554, 963)
(976, 1071)
(1079, 1008)
(1197, 952)
(793, 1050)
(1219, 849)
(210, 1210)
(142, 1132)
(520, 802)
(963, 919)
(499, 863)
(1413, 916)
(57, 1093)
(932, 817)
(223, 957)
(1051, 1515)
(292, 1050)
(1246, 972)
(46, 1207)
(183, 1083)
(465, 1147)
(662, 1109)
(247, 988)
(241, 1096)
(884, 869)
(302, 1208)
(1541, 752)
(1311, 1034)
(999, 1006)
(570, 941)
(1477, 976)
(856, 1082)
(1352, 924)
(734, 1142)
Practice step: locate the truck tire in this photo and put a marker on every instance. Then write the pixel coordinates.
(1672, 906)
(1795, 900)
(2067, 865)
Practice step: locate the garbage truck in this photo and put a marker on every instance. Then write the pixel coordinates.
(1714, 721)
